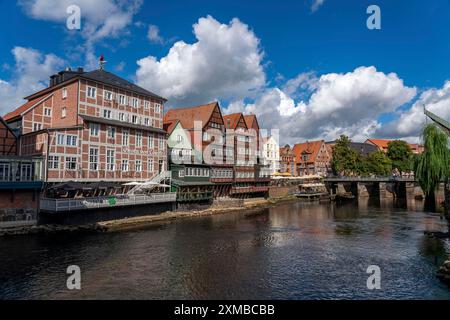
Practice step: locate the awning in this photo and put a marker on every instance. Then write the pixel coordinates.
(70, 186)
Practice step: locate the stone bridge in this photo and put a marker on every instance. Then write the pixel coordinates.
(381, 187)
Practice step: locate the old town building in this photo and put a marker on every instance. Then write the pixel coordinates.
(93, 126)
(206, 127)
(271, 153)
(287, 161)
(312, 158)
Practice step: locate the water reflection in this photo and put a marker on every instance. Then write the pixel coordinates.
(293, 251)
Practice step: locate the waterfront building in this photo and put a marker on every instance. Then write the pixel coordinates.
(287, 161)
(206, 126)
(191, 178)
(20, 182)
(312, 158)
(98, 130)
(382, 145)
(271, 154)
(250, 178)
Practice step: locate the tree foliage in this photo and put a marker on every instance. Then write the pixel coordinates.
(378, 163)
(345, 160)
(433, 166)
(401, 155)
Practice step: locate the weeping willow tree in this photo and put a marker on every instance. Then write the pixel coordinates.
(433, 166)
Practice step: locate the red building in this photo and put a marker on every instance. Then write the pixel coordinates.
(287, 161)
(93, 126)
(312, 158)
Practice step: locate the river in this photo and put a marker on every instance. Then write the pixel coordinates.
(292, 251)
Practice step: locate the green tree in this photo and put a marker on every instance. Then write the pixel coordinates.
(433, 166)
(345, 160)
(401, 155)
(378, 163)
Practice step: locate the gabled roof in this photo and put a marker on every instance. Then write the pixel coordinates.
(187, 116)
(232, 120)
(24, 108)
(250, 120)
(169, 125)
(3, 122)
(309, 147)
(380, 143)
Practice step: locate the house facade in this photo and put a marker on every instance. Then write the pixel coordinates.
(93, 126)
(271, 154)
(383, 144)
(191, 179)
(312, 158)
(287, 161)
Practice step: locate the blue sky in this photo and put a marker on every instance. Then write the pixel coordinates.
(292, 40)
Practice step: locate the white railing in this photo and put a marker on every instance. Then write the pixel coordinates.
(150, 184)
(60, 205)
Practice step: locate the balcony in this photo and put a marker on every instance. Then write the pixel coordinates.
(21, 172)
(67, 205)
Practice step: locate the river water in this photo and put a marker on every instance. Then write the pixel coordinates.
(292, 251)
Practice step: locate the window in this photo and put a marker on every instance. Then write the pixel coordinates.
(161, 144)
(125, 165)
(147, 121)
(110, 160)
(26, 172)
(94, 129)
(71, 141)
(122, 116)
(108, 95)
(125, 138)
(4, 171)
(135, 103)
(122, 99)
(206, 136)
(63, 112)
(71, 163)
(157, 108)
(179, 138)
(150, 166)
(64, 93)
(47, 112)
(181, 173)
(53, 162)
(93, 159)
(150, 141)
(60, 139)
(111, 132)
(92, 92)
(138, 166)
(107, 114)
(138, 139)
(134, 119)
(37, 126)
(146, 104)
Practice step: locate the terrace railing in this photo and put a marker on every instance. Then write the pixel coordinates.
(64, 205)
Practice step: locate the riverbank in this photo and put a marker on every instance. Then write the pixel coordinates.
(251, 206)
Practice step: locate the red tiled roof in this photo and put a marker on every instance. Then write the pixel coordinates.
(250, 119)
(187, 116)
(311, 147)
(380, 143)
(23, 108)
(232, 120)
(168, 126)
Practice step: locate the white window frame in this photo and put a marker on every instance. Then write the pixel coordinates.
(110, 160)
(138, 166)
(93, 159)
(63, 112)
(125, 165)
(70, 160)
(64, 93)
(138, 139)
(107, 95)
(47, 112)
(91, 92)
(127, 140)
(94, 129)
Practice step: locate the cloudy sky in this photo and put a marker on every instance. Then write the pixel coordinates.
(310, 68)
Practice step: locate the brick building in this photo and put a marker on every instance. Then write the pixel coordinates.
(287, 160)
(93, 126)
(312, 158)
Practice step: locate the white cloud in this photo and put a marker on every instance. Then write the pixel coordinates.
(224, 63)
(153, 34)
(347, 103)
(316, 4)
(410, 122)
(101, 19)
(31, 72)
